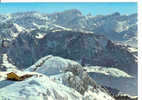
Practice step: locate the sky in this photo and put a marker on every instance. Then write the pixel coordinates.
(85, 8)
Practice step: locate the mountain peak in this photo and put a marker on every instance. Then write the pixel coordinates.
(116, 14)
(72, 12)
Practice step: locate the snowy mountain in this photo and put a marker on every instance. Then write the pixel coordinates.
(116, 27)
(69, 82)
(9, 30)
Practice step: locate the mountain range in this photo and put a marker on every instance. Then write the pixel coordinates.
(103, 46)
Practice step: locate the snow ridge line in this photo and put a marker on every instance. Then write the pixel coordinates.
(41, 63)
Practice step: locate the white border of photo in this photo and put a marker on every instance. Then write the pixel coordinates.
(139, 29)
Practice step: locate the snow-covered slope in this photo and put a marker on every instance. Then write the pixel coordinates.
(51, 65)
(69, 82)
(6, 65)
(37, 88)
(43, 88)
(69, 72)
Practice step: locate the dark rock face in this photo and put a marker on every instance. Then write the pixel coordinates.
(112, 91)
(86, 48)
(120, 56)
(125, 97)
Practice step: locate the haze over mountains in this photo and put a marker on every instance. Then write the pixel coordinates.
(103, 46)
